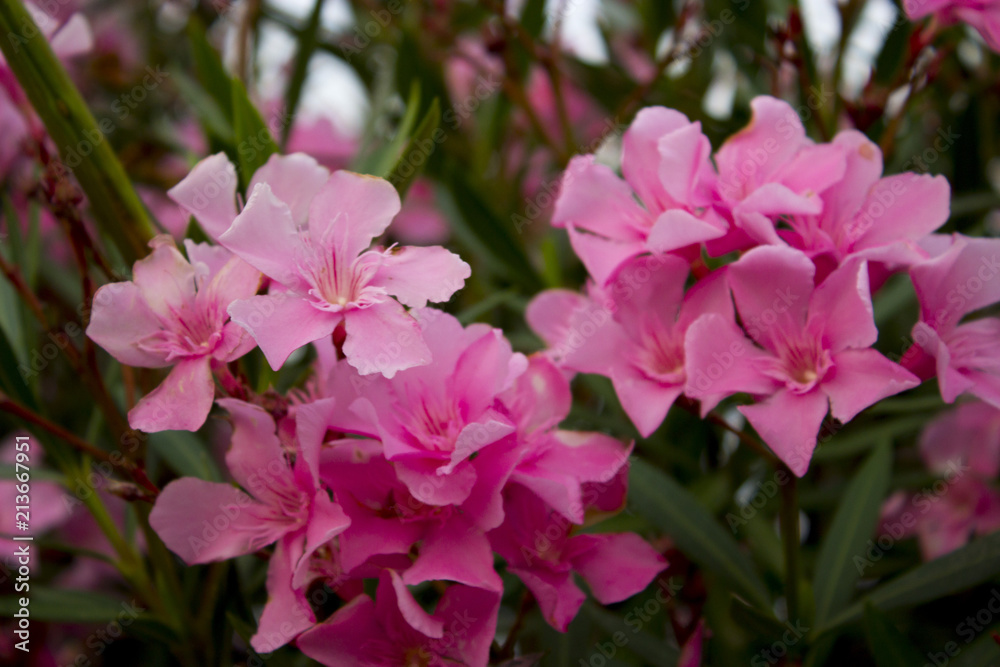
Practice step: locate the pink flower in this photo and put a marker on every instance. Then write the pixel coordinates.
(810, 349)
(320, 254)
(394, 630)
(666, 165)
(771, 169)
(983, 15)
(870, 216)
(961, 280)
(962, 447)
(570, 470)
(442, 425)
(539, 548)
(173, 312)
(632, 331)
(204, 521)
(388, 523)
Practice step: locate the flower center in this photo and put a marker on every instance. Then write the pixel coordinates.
(434, 423)
(192, 331)
(660, 355)
(805, 363)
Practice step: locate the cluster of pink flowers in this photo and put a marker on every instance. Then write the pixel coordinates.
(420, 449)
(790, 322)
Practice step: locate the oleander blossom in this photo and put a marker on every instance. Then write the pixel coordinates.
(982, 15)
(284, 503)
(329, 277)
(662, 203)
(962, 448)
(173, 313)
(809, 349)
(867, 215)
(393, 630)
(965, 355)
(632, 331)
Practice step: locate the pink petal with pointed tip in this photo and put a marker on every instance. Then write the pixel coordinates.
(455, 551)
(416, 275)
(862, 378)
(119, 319)
(676, 229)
(208, 193)
(592, 197)
(793, 440)
(351, 210)
(294, 179)
(616, 566)
(181, 402)
(265, 236)
(385, 339)
(207, 521)
(267, 318)
(772, 287)
(841, 307)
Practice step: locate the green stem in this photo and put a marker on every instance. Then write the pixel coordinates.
(117, 208)
(790, 540)
(130, 563)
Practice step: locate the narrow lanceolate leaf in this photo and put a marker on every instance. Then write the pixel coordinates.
(418, 150)
(308, 40)
(254, 143)
(672, 509)
(969, 566)
(71, 606)
(83, 146)
(889, 646)
(654, 651)
(852, 527)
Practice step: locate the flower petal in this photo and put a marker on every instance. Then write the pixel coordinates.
(416, 275)
(793, 440)
(282, 323)
(208, 193)
(181, 402)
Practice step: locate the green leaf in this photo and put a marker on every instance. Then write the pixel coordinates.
(14, 376)
(208, 67)
(418, 150)
(493, 235)
(213, 119)
(762, 625)
(38, 474)
(653, 650)
(959, 570)
(254, 143)
(69, 606)
(307, 40)
(983, 652)
(889, 646)
(185, 454)
(116, 208)
(382, 159)
(672, 509)
(853, 524)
